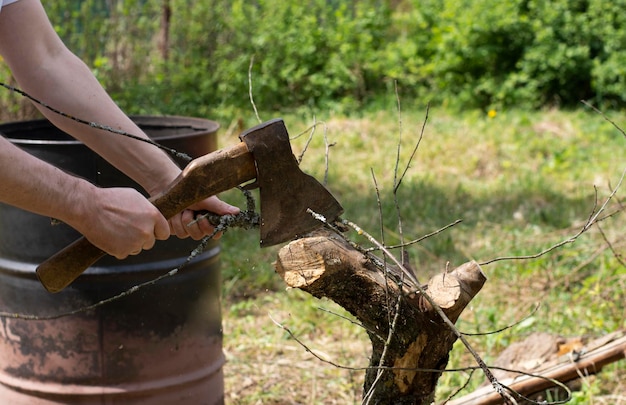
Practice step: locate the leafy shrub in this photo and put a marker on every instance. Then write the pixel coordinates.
(478, 45)
(607, 25)
(556, 66)
(464, 53)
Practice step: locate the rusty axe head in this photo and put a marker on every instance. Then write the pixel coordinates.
(287, 193)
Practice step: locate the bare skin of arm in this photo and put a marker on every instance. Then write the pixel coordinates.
(119, 221)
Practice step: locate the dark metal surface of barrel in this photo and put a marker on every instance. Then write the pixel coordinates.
(159, 345)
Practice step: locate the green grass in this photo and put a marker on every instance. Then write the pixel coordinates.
(520, 182)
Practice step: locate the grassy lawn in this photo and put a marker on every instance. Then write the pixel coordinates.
(519, 181)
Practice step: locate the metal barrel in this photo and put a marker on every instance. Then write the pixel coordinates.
(161, 344)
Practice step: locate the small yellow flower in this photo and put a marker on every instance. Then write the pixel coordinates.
(492, 113)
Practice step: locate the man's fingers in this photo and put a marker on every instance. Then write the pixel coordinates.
(196, 228)
(177, 227)
(161, 231)
(207, 228)
(220, 207)
(185, 224)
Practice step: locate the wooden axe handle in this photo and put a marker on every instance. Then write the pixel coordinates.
(203, 177)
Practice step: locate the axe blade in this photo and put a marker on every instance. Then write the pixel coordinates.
(287, 193)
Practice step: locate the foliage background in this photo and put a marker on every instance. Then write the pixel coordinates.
(342, 56)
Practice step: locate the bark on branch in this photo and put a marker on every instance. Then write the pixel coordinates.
(417, 345)
(588, 360)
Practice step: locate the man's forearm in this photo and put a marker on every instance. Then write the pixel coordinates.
(29, 183)
(120, 221)
(143, 162)
(48, 71)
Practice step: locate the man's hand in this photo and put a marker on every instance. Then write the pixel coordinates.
(120, 221)
(179, 224)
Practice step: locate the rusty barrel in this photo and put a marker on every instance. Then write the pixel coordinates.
(161, 344)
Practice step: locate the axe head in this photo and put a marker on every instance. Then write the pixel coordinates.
(287, 193)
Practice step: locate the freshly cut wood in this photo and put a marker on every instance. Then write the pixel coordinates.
(410, 342)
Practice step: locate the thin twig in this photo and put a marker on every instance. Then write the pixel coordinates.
(368, 396)
(396, 180)
(311, 131)
(327, 147)
(256, 112)
(534, 311)
(609, 244)
(594, 217)
(96, 125)
(417, 144)
(380, 246)
(307, 349)
(194, 253)
(359, 324)
(247, 219)
(429, 370)
(123, 294)
(438, 231)
(605, 117)
(455, 393)
(392, 322)
(382, 238)
(225, 222)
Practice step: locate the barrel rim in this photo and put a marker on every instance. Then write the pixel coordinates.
(197, 127)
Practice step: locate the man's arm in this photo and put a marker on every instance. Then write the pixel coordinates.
(48, 71)
(119, 221)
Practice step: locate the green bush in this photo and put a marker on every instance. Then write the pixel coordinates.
(556, 66)
(302, 53)
(608, 71)
(330, 53)
(521, 52)
(479, 43)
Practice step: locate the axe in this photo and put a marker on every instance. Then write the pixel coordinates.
(265, 155)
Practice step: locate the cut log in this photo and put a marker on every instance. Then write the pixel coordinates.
(401, 324)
